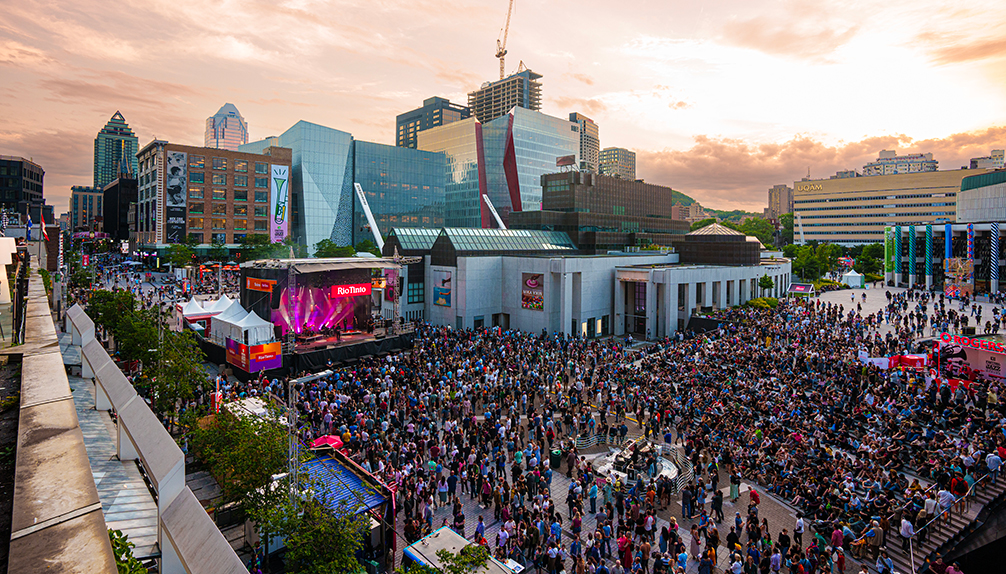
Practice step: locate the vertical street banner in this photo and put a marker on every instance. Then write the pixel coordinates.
(897, 253)
(888, 250)
(911, 250)
(994, 256)
(279, 203)
(971, 241)
(175, 196)
(929, 250)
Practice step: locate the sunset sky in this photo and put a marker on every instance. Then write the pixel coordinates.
(721, 100)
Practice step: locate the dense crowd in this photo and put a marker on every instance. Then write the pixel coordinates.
(776, 398)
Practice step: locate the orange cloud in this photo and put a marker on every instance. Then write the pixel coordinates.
(725, 173)
(786, 38)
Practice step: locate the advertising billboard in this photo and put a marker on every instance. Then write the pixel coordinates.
(356, 290)
(263, 285)
(175, 195)
(254, 358)
(565, 160)
(442, 288)
(532, 291)
(279, 197)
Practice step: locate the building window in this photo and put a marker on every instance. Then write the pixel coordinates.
(261, 225)
(241, 180)
(219, 224)
(220, 209)
(239, 237)
(261, 168)
(241, 165)
(219, 179)
(262, 197)
(417, 293)
(261, 211)
(196, 177)
(195, 193)
(219, 237)
(196, 222)
(220, 194)
(196, 162)
(241, 210)
(262, 182)
(195, 208)
(240, 195)
(240, 224)
(219, 163)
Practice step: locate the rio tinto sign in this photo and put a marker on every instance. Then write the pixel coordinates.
(279, 202)
(350, 290)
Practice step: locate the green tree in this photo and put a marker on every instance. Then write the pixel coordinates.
(786, 224)
(180, 255)
(122, 549)
(368, 246)
(192, 239)
(178, 372)
(765, 283)
(258, 246)
(324, 538)
(469, 559)
(328, 248)
(702, 223)
(218, 251)
(299, 250)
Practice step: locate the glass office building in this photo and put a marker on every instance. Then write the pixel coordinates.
(226, 129)
(435, 112)
(115, 141)
(404, 188)
(461, 146)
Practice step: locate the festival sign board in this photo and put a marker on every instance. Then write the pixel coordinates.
(532, 291)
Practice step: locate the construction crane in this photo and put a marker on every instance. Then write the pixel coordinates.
(501, 46)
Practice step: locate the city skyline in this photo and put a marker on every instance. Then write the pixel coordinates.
(719, 105)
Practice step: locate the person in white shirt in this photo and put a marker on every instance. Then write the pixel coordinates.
(907, 532)
(993, 462)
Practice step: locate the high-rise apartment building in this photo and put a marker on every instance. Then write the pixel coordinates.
(117, 198)
(590, 142)
(215, 195)
(890, 163)
(20, 181)
(86, 210)
(780, 201)
(435, 112)
(494, 99)
(995, 160)
(618, 162)
(503, 159)
(226, 129)
(115, 143)
(404, 187)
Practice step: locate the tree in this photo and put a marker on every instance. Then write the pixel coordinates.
(469, 559)
(180, 255)
(178, 373)
(368, 246)
(871, 259)
(765, 283)
(328, 248)
(258, 246)
(299, 250)
(323, 538)
(786, 225)
(218, 251)
(191, 239)
(702, 223)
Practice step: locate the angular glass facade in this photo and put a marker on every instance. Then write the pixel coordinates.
(226, 129)
(404, 188)
(114, 144)
(460, 144)
(321, 181)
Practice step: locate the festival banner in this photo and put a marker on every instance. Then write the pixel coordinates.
(263, 285)
(532, 291)
(175, 197)
(442, 288)
(350, 290)
(254, 358)
(966, 356)
(279, 202)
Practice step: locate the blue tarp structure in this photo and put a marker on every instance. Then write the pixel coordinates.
(341, 485)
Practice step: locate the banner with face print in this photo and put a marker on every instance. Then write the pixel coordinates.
(175, 196)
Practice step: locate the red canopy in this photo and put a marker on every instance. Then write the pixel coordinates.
(329, 440)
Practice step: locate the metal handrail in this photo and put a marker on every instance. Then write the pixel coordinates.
(900, 508)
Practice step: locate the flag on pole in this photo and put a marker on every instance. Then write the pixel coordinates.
(3, 224)
(28, 229)
(45, 234)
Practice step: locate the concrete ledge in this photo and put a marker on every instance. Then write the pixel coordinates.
(81, 326)
(160, 454)
(39, 383)
(113, 383)
(79, 545)
(194, 542)
(52, 465)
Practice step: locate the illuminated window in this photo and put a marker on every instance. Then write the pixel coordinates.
(220, 194)
(219, 179)
(240, 210)
(196, 222)
(241, 180)
(241, 165)
(219, 224)
(196, 162)
(261, 168)
(219, 163)
(195, 193)
(219, 209)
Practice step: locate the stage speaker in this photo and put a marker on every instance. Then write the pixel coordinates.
(969, 331)
(379, 336)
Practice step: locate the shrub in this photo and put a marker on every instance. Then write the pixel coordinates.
(763, 303)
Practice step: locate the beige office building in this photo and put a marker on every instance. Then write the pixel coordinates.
(855, 210)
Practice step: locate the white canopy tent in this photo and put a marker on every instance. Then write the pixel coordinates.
(252, 330)
(223, 322)
(853, 279)
(219, 305)
(192, 307)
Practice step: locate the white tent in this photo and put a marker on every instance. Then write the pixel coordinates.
(253, 330)
(219, 305)
(223, 322)
(192, 307)
(853, 279)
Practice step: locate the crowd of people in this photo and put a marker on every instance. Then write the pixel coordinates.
(775, 398)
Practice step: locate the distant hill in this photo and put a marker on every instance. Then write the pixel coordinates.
(678, 197)
(734, 216)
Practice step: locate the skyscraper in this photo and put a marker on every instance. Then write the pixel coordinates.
(435, 112)
(226, 129)
(21, 180)
(590, 142)
(780, 201)
(618, 162)
(115, 141)
(493, 99)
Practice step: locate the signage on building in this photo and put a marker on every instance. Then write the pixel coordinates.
(810, 187)
(175, 196)
(351, 290)
(532, 291)
(442, 288)
(254, 358)
(565, 160)
(279, 203)
(256, 284)
(974, 343)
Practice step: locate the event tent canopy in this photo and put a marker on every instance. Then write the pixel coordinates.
(853, 279)
(252, 330)
(219, 305)
(191, 308)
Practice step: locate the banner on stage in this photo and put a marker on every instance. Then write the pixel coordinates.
(263, 285)
(254, 358)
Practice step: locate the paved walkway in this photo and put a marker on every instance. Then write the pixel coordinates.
(125, 500)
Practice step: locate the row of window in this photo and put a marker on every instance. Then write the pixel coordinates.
(221, 209)
(221, 179)
(220, 164)
(221, 195)
(875, 197)
(239, 224)
(887, 206)
(866, 215)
